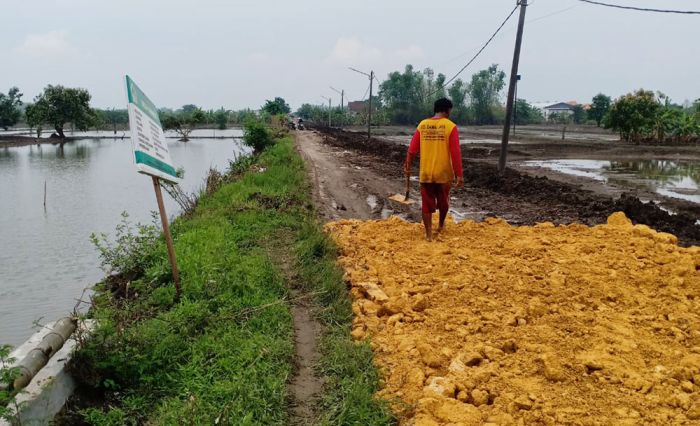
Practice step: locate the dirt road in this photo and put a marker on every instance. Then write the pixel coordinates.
(352, 178)
(345, 186)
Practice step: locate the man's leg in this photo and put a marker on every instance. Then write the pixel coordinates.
(428, 223)
(443, 204)
(428, 207)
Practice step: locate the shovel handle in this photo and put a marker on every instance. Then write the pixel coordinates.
(408, 186)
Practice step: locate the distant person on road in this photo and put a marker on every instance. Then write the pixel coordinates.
(437, 142)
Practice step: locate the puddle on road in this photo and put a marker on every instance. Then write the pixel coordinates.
(676, 179)
(372, 201)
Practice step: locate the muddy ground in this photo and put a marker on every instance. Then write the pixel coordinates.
(353, 177)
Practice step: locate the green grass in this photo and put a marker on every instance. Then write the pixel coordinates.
(224, 353)
(351, 378)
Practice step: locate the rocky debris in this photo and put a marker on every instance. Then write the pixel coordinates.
(493, 323)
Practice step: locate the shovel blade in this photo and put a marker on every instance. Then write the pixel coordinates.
(401, 198)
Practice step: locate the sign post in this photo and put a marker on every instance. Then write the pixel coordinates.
(152, 158)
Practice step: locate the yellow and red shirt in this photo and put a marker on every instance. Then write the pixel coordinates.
(437, 142)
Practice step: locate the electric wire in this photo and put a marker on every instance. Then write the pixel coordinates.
(642, 9)
(480, 50)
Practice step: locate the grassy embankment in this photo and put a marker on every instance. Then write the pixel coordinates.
(224, 353)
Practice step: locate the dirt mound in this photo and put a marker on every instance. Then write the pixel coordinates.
(559, 202)
(536, 325)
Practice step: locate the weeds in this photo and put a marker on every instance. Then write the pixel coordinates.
(9, 408)
(224, 352)
(132, 249)
(350, 376)
(256, 135)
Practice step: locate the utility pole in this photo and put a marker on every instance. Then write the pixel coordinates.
(511, 89)
(329, 109)
(515, 105)
(342, 95)
(369, 110)
(342, 104)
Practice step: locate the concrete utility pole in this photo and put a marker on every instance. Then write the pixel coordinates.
(342, 104)
(511, 89)
(515, 105)
(342, 95)
(369, 109)
(329, 109)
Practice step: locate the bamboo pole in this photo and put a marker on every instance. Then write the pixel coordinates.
(168, 237)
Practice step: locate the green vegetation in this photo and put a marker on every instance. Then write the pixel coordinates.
(407, 97)
(276, 106)
(10, 104)
(257, 135)
(220, 117)
(526, 114)
(643, 116)
(111, 117)
(183, 121)
(8, 404)
(224, 353)
(350, 377)
(484, 90)
(599, 108)
(59, 105)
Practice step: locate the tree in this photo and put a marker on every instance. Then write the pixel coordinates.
(9, 108)
(113, 117)
(634, 115)
(59, 105)
(526, 113)
(484, 92)
(599, 107)
(404, 95)
(579, 114)
(35, 118)
(458, 94)
(276, 106)
(183, 121)
(221, 117)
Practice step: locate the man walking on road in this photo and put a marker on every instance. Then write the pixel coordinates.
(437, 142)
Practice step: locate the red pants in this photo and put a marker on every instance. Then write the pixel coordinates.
(435, 196)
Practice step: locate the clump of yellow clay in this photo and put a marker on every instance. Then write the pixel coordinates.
(496, 324)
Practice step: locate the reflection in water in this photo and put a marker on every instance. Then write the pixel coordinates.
(46, 258)
(660, 170)
(677, 179)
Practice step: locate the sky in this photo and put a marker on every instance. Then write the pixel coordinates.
(238, 53)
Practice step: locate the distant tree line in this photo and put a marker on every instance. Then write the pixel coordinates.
(407, 97)
(645, 116)
(58, 106)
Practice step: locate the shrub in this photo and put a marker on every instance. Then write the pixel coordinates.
(132, 249)
(257, 135)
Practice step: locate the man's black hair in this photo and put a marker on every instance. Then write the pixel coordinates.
(442, 105)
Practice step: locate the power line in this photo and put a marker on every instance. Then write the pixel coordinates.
(551, 14)
(365, 95)
(480, 50)
(642, 9)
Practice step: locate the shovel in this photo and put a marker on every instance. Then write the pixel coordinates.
(403, 199)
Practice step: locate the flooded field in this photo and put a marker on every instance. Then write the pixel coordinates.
(676, 179)
(46, 259)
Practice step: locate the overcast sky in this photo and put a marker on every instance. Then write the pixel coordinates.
(237, 53)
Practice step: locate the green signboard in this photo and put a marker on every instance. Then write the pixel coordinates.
(150, 148)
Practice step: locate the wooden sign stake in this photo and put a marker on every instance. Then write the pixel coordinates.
(168, 238)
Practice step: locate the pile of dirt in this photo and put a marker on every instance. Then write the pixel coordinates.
(559, 202)
(537, 325)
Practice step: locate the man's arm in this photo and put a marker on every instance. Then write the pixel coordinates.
(456, 154)
(413, 151)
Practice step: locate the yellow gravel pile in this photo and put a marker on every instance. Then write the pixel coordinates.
(495, 324)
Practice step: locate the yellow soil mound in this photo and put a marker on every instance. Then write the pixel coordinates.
(528, 325)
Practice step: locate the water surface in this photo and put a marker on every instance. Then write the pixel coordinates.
(676, 179)
(46, 258)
